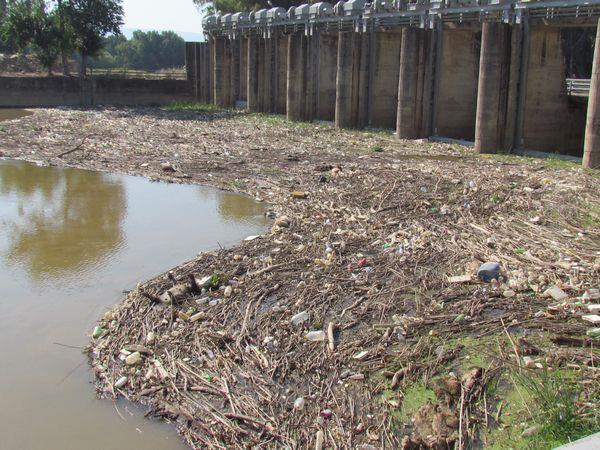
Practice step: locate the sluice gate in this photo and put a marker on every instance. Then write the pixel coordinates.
(503, 74)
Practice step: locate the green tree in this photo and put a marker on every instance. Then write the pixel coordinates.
(47, 39)
(90, 21)
(66, 42)
(27, 25)
(151, 50)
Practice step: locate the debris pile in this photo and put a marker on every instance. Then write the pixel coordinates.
(314, 332)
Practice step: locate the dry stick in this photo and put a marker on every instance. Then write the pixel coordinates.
(330, 336)
(68, 346)
(74, 149)
(460, 419)
(512, 342)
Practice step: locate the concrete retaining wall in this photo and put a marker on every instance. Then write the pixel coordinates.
(63, 91)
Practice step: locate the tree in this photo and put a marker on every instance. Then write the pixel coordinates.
(66, 42)
(90, 21)
(28, 25)
(47, 39)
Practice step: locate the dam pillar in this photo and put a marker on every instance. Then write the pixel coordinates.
(207, 71)
(280, 70)
(267, 75)
(411, 89)
(198, 71)
(591, 151)
(234, 76)
(492, 94)
(347, 80)
(252, 98)
(222, 72)
(296, 77)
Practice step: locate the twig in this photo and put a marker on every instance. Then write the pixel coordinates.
(74, 149)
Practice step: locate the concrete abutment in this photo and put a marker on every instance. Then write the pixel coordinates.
(501, 85)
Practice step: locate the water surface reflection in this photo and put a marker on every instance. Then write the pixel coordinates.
(70, 242)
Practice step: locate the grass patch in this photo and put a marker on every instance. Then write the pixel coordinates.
(553, 396)
(273, 171)
(415, 396)
(194, 107)
(377, 149)
(590, 216)
(280, 120)
(240, 185)
(546, 400)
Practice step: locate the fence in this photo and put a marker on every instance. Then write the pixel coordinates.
(578, 87)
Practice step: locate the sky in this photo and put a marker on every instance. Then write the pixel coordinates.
(176, 15)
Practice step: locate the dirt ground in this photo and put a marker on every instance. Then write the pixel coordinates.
(358, 321)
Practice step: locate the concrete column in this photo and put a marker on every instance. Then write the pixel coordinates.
(234, 71)
(409, 120)
(190, 62)
(206, 73)
(281, 68)
(492, 94)
(366, 77)
(211, 71)
(347, 81)
(591, 151)
(266, 84)
(197, 71)
(222, 62)
(296, 77)
(261, 63)
(252, 74)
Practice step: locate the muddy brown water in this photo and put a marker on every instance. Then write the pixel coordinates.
(70, 242)
(10, 114)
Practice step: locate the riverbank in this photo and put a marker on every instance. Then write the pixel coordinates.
(373, 255)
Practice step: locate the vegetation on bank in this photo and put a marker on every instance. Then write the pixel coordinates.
(50, 29)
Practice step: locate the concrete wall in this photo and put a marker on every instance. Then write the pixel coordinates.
(552, 122)
(457, 84)
(281, 74)
(326, 72)
(243, 95)
(62, 91)
(386, 68)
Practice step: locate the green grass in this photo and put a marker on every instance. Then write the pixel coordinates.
(377, 149)
(553, 396)
(546, 399)
(591, 214)
(280, 120)
(194, 107)
(415, 396)
(239, 185)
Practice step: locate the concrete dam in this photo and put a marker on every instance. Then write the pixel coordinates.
(506, 75)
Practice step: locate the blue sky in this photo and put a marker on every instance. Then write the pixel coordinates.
(176, 15)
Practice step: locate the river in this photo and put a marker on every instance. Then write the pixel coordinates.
(70, 242)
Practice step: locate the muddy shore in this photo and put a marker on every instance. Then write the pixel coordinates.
(359, 320)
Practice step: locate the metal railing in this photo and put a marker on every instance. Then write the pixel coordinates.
(578, 87)
(174, 74)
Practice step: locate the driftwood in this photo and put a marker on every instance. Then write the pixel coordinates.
(74, 149)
